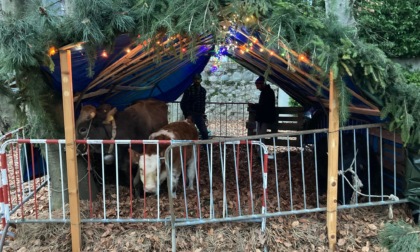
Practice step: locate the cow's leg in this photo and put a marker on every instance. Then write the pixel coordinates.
(136, 182)
(191, 173)
(175, 179)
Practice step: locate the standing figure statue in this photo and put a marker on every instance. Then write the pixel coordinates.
(193, 105)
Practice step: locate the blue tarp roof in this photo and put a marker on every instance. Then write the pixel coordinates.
(123, 77)
(297, 76)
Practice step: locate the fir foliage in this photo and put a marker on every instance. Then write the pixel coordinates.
(400, 236)
(413, 77)
(337, 48)
(24, 45)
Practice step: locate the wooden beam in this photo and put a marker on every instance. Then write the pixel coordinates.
(70, 46)
(297, 68)
(71, 158)
(352, 108)
(366, 102)
(297, 76)
(364, 111)
(333, 147)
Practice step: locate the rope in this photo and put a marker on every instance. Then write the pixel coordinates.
(357, 184)
(113, 134)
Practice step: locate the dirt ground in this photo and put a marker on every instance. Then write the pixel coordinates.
(357, 229)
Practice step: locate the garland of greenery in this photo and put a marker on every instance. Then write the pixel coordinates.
(25, 43)
(390, 24)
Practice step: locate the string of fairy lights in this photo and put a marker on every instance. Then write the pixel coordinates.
(252, 45)
(230, 46)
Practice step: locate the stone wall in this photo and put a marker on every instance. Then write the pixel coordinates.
(229, 83)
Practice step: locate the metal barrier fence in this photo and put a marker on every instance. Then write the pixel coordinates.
(223, 119)
(237, 179)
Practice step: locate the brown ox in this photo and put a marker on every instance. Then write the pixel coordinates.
(137, 121)
(149, 161)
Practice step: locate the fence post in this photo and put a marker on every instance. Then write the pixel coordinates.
(71, 158)
(4, 190)
(333, 146)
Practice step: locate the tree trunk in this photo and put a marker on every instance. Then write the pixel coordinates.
(53, 117)
(59, 190)
(8, 120)
(342, 9)
(16, 7)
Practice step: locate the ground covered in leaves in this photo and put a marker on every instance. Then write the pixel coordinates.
(357, 229)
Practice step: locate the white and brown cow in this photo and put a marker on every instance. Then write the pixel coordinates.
(149, 159)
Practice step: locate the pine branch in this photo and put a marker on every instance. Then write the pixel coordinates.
(400, 236)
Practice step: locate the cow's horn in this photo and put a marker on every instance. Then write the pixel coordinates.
(110, 116)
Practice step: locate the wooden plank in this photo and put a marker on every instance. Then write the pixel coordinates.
(352, 108)
(386, 134)
(366, 102)
(288, 118)
(389, 151)
(72, 45)
(71, 159)
(333, 146)
(390, 157)
(289, 110)
(400, 167)
(288, 126)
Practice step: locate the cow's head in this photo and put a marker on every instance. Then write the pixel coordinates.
(95, 123)
(149, 164)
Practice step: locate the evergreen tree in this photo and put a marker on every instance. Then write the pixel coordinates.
(25, 40)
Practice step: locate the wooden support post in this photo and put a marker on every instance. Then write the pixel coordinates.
(71, 158)
(333, 146)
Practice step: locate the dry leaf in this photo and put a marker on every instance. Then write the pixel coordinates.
(343, 232)
(198, 250)
(106, 233)
(295, 223)
(287, 244)
(372, 227)
(341, 242)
